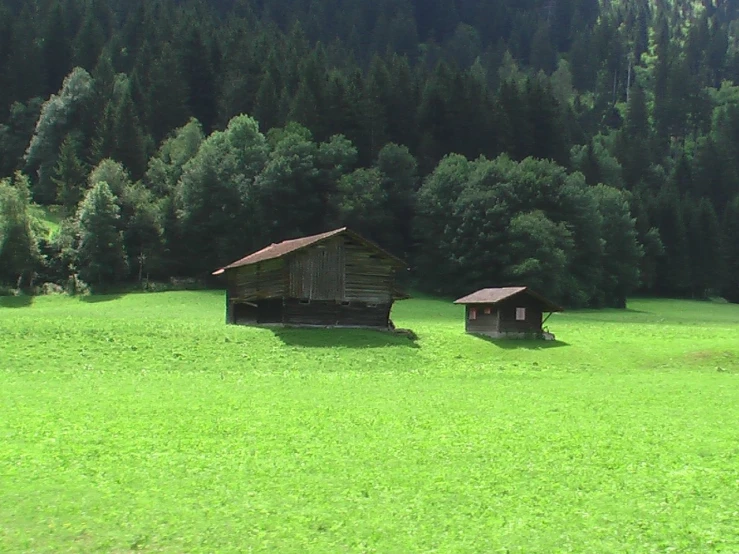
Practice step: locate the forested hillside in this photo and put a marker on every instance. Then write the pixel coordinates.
(586, 148)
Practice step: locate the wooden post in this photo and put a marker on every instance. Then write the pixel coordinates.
(229, 308)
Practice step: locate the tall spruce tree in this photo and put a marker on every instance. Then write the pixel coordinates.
(101, 257)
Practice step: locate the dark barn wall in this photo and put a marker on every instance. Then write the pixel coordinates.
(484, 323)
(243, 314)
(270, 311)
(508, 322)
(331, 313)
(502, 317)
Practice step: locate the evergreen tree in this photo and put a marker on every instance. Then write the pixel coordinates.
(166, 91)
(730, 233)
(101, 258)
(56, 54)
(129, 145)
(399, 172)
(199, 79)
(543, 56)
(673, 268)
(70, 175)
(89, 42)
(704, 244)
(622, 252)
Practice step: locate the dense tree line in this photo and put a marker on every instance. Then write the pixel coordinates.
(588, 148)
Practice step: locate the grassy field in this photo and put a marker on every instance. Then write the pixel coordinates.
(143, 423)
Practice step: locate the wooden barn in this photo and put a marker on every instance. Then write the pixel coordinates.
(509, 312)
(335, 279)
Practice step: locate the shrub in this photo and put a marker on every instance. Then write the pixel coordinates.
(76, 286)
(47, 289)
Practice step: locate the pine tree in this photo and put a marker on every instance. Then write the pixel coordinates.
(101, 257)
(56, 54)
(673, 268)
(129, 144)
(730, 250)
(166, 94)
(70, 175)
(200, 79)
(543, 56)
(89, 42)
(704, 243)
(267, 102)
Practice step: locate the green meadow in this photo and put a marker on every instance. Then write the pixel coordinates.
(142, 423)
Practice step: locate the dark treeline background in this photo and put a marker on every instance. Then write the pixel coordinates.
(586, 148)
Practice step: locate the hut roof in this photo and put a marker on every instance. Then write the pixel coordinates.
(495, 295)
(281, 249)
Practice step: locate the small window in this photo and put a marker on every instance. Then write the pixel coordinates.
(345, 303)
(488, 310)
(473, 313)
(305, 301)
(520, 314)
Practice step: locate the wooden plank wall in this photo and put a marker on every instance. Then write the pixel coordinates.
(262, 280)
(369, 277)
(318, 272)
(508, 322)
(484, 323)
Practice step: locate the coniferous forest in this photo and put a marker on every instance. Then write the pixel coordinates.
(586, 148)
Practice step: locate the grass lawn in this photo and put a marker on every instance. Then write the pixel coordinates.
(143, 423)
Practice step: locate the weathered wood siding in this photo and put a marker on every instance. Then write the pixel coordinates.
(331, 313)
(338, 282)
(508, 322)
(483, 323)
(502, 317)
(318, 273)
(369, 277)
(263, 280)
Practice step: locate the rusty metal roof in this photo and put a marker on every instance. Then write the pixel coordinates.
(278, 250)
(495, 295)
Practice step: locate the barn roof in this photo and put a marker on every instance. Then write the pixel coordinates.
(281, 249)
(495, 295)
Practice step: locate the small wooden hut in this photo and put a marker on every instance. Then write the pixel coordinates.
(335, 279)
(508, 312)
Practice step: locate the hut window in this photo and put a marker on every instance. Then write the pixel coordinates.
(345, 303)
(520, 314)
(487, 310)
(305, 301)
(473, 313)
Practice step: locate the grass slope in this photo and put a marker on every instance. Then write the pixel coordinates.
(49, 218)
(143, 423)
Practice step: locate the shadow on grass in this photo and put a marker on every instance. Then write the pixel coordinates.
(342, 338)
(98, 298)
(522, 344)
(16, 301)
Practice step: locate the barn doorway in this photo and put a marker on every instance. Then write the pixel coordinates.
(245, 314)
